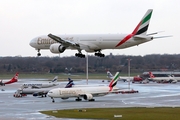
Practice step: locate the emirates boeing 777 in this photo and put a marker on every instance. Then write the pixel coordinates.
(95, 42)
(85, 92)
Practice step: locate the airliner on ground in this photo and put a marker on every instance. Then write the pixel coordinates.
(85, 92)
(168, 79)
(14, 79)
(42, 85)
(95, 42)
(128, 79)
(23, 91)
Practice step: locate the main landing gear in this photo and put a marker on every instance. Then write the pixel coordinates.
(92, 100)
(80, 55)
(78, 99)
(99, 54)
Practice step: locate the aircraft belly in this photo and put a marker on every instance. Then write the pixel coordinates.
(44, 46)
(31, 91)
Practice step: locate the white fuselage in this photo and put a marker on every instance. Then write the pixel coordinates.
(89, 42)
(79, 91)
(40, 85)
(31, 91)
(164, 79)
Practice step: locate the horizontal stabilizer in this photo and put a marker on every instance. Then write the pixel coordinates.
(162, 37)
(154, 33)
(143, 37)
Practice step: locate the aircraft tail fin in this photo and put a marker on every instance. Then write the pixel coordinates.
(151, 75)
(140, 30)
(142, 27)
(14, 79)
(114, 81)
(54, 80)
(109, 75)
(70, 83)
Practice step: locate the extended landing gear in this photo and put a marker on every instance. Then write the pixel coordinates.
(52, 99)
(38, 54)
(78, 99)
(99, 54)
(80, 55)
(92, 100)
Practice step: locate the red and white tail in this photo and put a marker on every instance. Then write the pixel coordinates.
(151, 75)
(14, 79)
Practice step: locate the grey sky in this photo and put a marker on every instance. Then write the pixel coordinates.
(22, 20)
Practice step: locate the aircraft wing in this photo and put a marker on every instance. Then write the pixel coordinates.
(65, 43)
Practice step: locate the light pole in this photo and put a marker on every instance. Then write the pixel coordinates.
(86, 68)
(129, 71)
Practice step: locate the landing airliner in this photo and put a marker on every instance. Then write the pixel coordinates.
(95, 42)
(85, 92)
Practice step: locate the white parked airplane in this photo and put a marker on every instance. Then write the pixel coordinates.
(42, 85)
(85, 92)
(128, 79)
(95, 42)
(110, 76)
(23, 91)
(168, 79)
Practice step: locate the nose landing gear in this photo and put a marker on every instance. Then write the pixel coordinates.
(38, 54)
(52, 99)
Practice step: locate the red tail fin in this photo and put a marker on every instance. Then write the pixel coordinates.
(14, 79)
(151, 75)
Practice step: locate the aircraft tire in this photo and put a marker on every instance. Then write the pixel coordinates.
(78, 99)
(92, 100)
(39, 54)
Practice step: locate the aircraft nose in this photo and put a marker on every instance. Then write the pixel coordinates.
(33, 42)
(50, 93)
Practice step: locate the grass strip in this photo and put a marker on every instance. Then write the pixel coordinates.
(134, 113)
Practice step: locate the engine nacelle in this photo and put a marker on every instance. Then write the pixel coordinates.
(57, 48)
(88, 96)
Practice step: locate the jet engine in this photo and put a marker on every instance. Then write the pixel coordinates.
(88, 97)
(57, 48)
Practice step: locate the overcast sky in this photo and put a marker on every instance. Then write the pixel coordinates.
(23, 20)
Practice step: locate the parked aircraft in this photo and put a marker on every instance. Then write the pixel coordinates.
(168, 79)
(85, 92)
(95, 42)
(110, 76)
(14, 79)
(42, 85)
(22, 91)
(133, 79)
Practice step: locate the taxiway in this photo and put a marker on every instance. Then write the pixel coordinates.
(27, 108)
